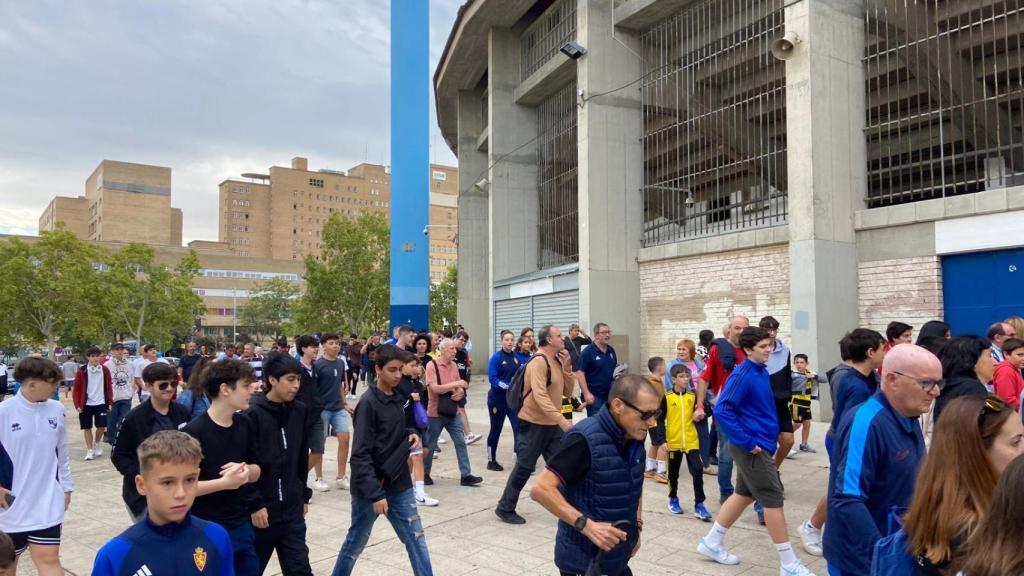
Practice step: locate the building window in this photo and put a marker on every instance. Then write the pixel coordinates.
(558, 158)
(714, 138)
(316, 183)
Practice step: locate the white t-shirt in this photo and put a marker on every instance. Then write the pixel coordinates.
(94, 395)
(31, 434)
(121, 373)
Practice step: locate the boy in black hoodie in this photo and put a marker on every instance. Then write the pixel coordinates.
(280, 423)
(380, 475)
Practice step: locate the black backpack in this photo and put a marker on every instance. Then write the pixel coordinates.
(514, 396)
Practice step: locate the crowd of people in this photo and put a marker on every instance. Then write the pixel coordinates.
(222, 453)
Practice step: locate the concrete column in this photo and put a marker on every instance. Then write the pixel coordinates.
(474, 246)
(513, 159)
(610, 177)
(827, 163)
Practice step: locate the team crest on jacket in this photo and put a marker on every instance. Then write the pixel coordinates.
(199, 557)
(52, 422)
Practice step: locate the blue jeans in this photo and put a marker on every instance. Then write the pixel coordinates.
(725, 488)
(704, 439)
(243, 543)
(116, 415)
(458, 436)
(404, 519)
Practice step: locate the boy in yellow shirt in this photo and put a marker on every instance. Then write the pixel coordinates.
(683, 443)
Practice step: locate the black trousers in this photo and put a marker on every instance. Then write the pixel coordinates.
(535, 440)
(288, 538)
(696, 468)
(626, 572)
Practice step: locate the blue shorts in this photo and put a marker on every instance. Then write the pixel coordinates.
(336, 422)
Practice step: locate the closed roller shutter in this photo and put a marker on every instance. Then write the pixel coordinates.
(560, 309)
(511, 315)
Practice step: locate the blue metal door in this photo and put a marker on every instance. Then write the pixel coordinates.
(982, 288)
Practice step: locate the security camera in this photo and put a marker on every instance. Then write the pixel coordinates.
(426, 230)
(573, 50)
(783, 48)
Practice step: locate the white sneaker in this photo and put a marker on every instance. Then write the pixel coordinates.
(320, 485)
(426, 501)
(810, 537)
(351, 396)
(441, 440)
(342, 483)
(792, 452)
(89, 455)
(720, 554)
(471, 438)
(797, 569)
(97, 451)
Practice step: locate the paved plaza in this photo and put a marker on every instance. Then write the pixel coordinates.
(463, 534)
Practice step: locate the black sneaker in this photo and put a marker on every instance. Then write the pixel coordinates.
(428, 480)
(509, 517)
(713, 461)
(471, 480)
(492, 465)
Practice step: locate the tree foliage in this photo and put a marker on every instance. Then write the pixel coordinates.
(149, 300)
(444, 299)
(268, 312)
(51, 287)
(347, 289)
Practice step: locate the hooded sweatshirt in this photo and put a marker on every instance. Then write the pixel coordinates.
(849, 388)
(780, 373)
(281, 430)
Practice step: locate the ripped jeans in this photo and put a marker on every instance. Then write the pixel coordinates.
(404, 518)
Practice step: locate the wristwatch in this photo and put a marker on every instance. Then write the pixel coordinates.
(581, 522)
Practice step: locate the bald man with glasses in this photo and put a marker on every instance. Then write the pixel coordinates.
(878, 448)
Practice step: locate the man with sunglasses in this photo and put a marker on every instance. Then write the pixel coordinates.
(593, 484)
(878, 448)
(157, 413)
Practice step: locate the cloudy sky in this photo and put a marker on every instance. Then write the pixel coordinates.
(211, 88)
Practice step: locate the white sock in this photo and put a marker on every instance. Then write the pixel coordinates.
(716, 536)
(651, 463)
(661, 467)
(786, 555)
(810, 526)
(418, 489)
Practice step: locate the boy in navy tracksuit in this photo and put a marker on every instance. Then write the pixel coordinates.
(878, 448)
(746, 412)
(169, 540)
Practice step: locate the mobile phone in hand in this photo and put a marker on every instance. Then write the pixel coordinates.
(9, 499)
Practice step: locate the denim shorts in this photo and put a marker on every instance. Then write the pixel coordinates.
(336, 422)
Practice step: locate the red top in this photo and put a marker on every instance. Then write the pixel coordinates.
(714, 374)
(1008, 383)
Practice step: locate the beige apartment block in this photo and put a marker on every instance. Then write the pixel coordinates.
(280, 215)
(123, 202)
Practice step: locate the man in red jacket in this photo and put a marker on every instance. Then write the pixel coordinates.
(93, 395)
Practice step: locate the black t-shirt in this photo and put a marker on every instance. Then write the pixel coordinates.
(572, 461)
(187, 363)
(329, 376)
(462, 361)
(229, 508)
(407, 387)
(308, 390)
(161, 422)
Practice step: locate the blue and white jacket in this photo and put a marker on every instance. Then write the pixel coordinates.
(875, 460)
(193, 547)
(501, 369)
(746, 408)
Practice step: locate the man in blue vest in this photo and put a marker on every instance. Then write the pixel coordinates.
(593, 484)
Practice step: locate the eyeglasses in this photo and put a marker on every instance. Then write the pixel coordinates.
(653, 414)
(927, 384)
(163, 385)
(992, 405)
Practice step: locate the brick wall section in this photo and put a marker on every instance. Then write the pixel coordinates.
(905, 289)
(681, 296)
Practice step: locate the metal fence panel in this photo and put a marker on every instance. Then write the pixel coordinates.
(545, 37)
(558, 217)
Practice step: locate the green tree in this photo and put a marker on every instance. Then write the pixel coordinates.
(347, 289)
(444, 298)
(148, 299)
(51, 287)
(269, 310)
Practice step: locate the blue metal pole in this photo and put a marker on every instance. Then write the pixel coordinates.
(410, 162)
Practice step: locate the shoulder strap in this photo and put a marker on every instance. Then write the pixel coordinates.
(437, 370)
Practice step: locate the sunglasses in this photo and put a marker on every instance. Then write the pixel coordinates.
(992, 405)
(163, 385)
(653, 414)
(926, 384)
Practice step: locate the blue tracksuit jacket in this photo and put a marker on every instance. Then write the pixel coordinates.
(194, 547)
(501, 369)
(746, 408)
(876, 455)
